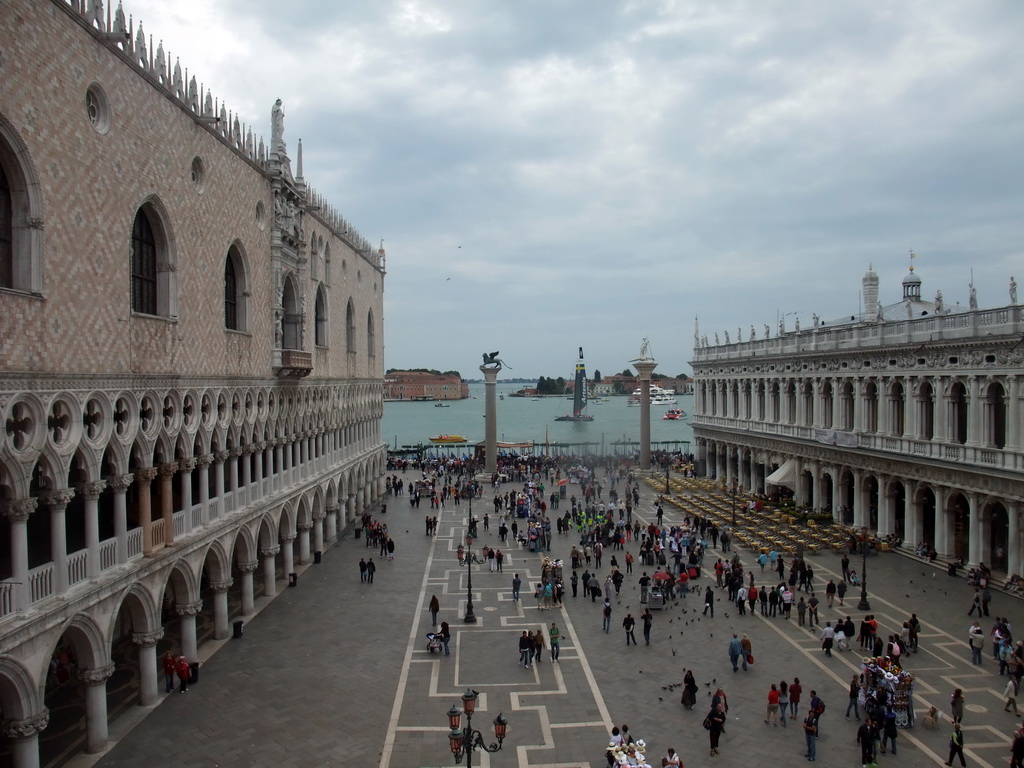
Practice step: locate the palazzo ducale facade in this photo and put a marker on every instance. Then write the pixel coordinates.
(905, 419)
(191, 368)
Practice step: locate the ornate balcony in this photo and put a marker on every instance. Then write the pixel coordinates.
(293, 363)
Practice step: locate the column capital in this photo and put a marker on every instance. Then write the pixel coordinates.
(262, 445)
(222, 456)
(120, 482)
(204, 461)
(333, 509)
(148, 639)
(30, 726)
(97, 676)
(318, 516)
(236, 451)
(219, 587)
(269, 551)
(169, 469)
(91, 491)
(288, 538)
(18, 511)
(283, 441)
(188, 609)
(187, 465)
(248, 567)
(59, 497)
(304, 527)
(146, 475)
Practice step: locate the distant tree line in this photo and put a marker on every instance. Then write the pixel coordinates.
(546, 386)
(431, 371)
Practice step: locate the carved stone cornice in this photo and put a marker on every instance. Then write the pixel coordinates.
(188, 609)
(19, 510)
(98, 676)
(148, 639)
(23, 729)
(120, 483)
(91, 491)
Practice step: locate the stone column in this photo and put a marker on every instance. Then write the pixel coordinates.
(837, 496)
(17, 512)
(220, 608)
(942, 522)
(887, 508)
(278, 474)
(24, 737)
(232, 459)
(332, 522)
(645, 367)
(145, 477)
(269, 555)
(187, 613)
(860, 512)
(119, 484)
(1013, 544)
(186, 466)
(246, 484)
(914, 522)
(91, 493)
(318, 531)
(58, 501)
(973, 530)
(96, 707)
(248, 602)
(204, 462)
(490, 373)
(304, 529)
(146, 642)
(167, 472)
(218, 482)
(1013, 415)
(288, 554)
(257, 475)
(975, 419)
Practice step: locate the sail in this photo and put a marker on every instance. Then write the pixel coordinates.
(579, 400)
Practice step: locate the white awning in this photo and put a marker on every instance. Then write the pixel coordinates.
(784, 475)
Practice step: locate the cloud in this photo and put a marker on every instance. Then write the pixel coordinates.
(611, 170)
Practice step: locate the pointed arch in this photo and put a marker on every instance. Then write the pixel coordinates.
(21, 215)
(350, 327)
(320, 318)
(153, 261)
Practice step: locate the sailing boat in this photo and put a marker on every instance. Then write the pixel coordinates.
(579, 398)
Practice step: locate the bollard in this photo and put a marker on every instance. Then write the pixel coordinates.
(238, 630)
(293, 579)
(316, 557)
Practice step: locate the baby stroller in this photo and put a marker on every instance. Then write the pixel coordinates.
(434, 642)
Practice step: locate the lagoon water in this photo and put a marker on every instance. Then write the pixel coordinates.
(522, 419)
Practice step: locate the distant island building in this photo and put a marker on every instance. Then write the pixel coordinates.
(903, 418)
(423, 385)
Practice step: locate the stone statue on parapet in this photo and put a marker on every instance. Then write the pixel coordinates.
(938, 302)
(972, 299)
(767, 330)
(645, 349)
(1013, 290)
(493, 361)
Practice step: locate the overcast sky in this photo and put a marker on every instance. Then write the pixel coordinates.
(549, 174)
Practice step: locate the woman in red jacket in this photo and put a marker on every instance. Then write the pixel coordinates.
(169, 668)
(184, 673)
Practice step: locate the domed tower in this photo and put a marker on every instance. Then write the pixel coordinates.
(911, 286)
(869, 287)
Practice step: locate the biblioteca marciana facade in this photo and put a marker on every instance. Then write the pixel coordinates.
(190, 368)
(906, 419)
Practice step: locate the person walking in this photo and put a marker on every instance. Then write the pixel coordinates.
(830, 592)
(735, 652)
(772, 715)
(516, 584)
(889, 730)
(574, 580)
(1010, 694)
(434, 607)
(170, 668)
(446, 636)
(956, 706)
(811, 736)
(841, 592)
(607, 612)
(555, 638)
(648, 619)
(627, 624)
(795, 689)
(538, 646)
(801, 611)
(525, 649)
(956, 746)
(854, 697)
(709, 602)
(362, 570)
(715, 724)
(783, 701)
(812, 610)
(975, 603)
(184, 673)
(866, 740)
(976, 641)
(828, 638)
(371, 568)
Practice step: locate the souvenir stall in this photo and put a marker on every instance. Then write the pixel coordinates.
(891, 685)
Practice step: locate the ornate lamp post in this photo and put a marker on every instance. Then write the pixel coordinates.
(465, 741)
(667, 490)
(864, 605)
(733, 494)
(466, 558)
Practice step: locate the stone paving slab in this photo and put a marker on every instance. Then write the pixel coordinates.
(335, 672)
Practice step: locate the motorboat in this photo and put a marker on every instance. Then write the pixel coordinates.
(659, 396)
(448, 439)
(441, 405)
(674, 414)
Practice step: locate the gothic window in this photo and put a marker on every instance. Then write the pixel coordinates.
(144, 280)
(371, 337)
(6, 234)
(350, 328)
(320, 328)
(230, 295)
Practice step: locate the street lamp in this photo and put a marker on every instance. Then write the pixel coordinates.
(864, 605)
(466, 558)
(734, 493)
(667, 493)
(465, 741)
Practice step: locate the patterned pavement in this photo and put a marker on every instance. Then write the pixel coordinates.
(335, 672)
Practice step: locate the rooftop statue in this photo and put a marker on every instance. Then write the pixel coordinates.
(973, 297)
(1013, 290)
(492, 360)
